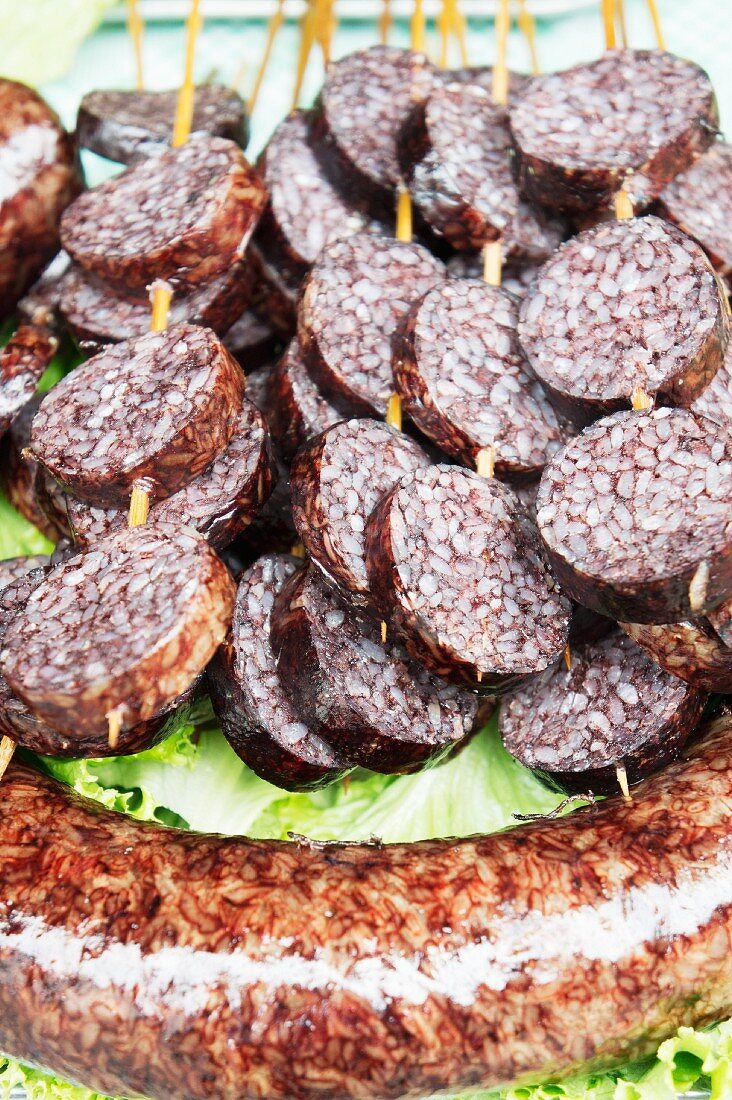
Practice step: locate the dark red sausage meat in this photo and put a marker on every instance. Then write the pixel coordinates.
(715, 402)
(337, 481)
(251, 702)
(128, 125)
(98, 313)
(38, 179)
(23, 361)
(455, 566)
(693, 651)
(454, 155)
(631, 119)
(40, 305)
(219, 503)
(125, 628)
(296, 409)
(699, 201)
(151, 961)
(185, 215)
(364, 102)
(18, 473)
(613, 708)
(635, 515)
(482, 75)
(366, 698)
(463, 379)
(304, 211)
(161, 407)
(353, 300)
(628, 305)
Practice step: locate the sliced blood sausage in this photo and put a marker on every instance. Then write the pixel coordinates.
(219, 503)
(30, 731)
(630, 304)
(296, 409)
(14, 569)
(98, 313)
(304, 211)
(18, 473)
(353, 300)
(252, 341)
(337, 480)
(631, 119)
(635, 515)
(273, 299)
(39, 177)
(365, 100)
(254, 709)
(368, 699)
(125, 628)
(715, 402)
(453, 152)
(131, 124)
(691, 650)
(40, 304)
(699, 201)
(515, 278)
(185, 215)
(161, 407)
(463, 379)
(23, 361)
(455, 565)
(613, 707)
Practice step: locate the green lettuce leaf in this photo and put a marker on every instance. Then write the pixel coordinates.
(45, 35)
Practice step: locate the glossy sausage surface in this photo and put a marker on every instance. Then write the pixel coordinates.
(140, 959)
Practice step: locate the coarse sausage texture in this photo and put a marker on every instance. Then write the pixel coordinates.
(582, 134)
(693, 651)
(367, 698)
(463, 379)
(699, 201)
(296, 410)
(634, 514)
(456, 567)
(134, 123)
(123, 629)
(39, 177)
(185, 216)
(247, 967)
(453, 151)
(98, 313)
(614, 707)
(352, 301)
(358, 116)
(23, 361)
(628, 305)
(18, 473)
(161, 407)
(252, 704)
(219, 503)
(336, 482)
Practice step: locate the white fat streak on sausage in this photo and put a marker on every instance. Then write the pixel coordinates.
(534, 945)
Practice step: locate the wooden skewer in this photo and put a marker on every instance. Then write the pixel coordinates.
(161, 293)
(623, 782)
(656, 20)
(384, 632)
(527, 25)
(298, 550)
(385, 22)
(324, 27)
(608, 21)
(418, 28)
(500, 69)
(7, 748)
(492, 263)
(184, 108)
(460, 30)
(568, 657)
(699, 588)
(136, 26)
(623, 205)
(394, 411)
(139, 504)
(275, 24)
(485, 461)
(307, 38)
(114, 727)
(640, 400)
(444, 25)
(622, 24)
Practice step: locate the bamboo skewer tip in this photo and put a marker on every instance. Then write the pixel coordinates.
(7, 748)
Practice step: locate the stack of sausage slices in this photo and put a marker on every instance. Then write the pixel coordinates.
(551, 523)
